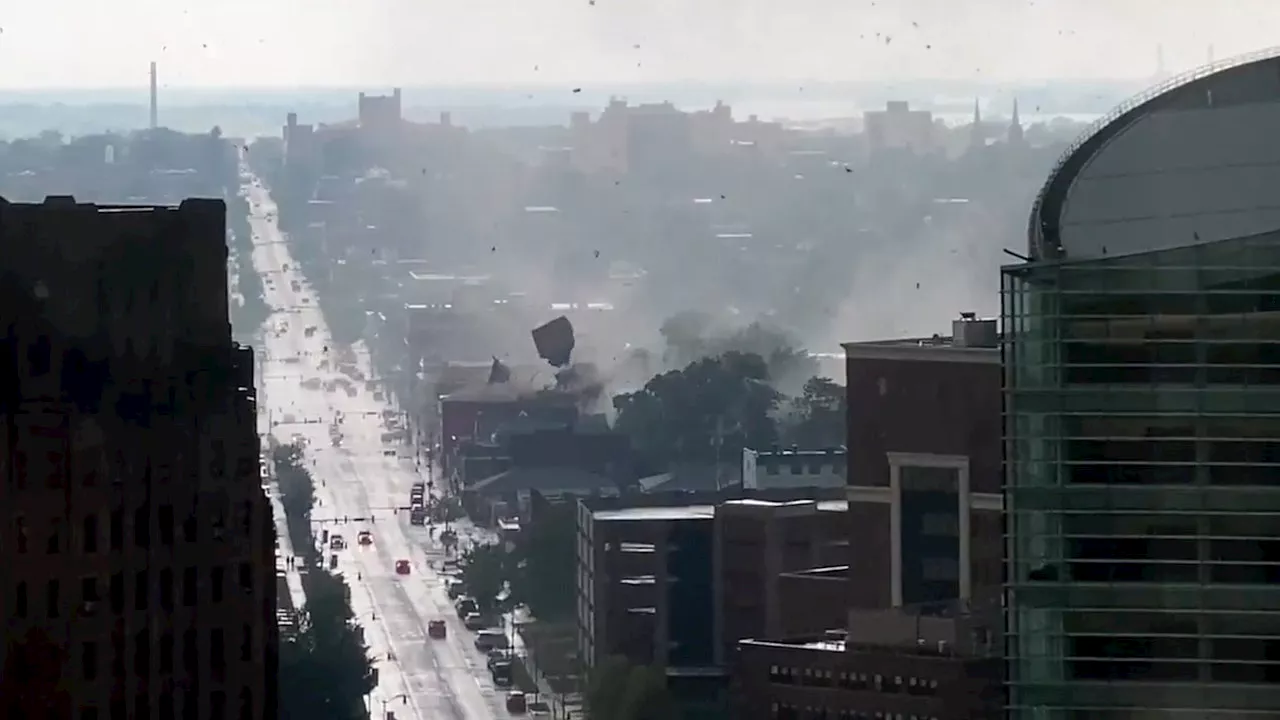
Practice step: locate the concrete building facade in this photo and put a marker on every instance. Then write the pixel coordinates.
(136, 545)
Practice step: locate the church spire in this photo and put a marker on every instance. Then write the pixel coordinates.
(976, 137)
(1015, 126)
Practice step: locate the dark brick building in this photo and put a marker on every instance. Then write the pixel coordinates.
(135, 539)
(889, 664)
(924, 445)
(757, 541)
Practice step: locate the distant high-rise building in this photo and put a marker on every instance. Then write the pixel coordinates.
(136, 546)
(154, 110)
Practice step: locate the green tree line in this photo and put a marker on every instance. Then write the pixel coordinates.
(325, 671)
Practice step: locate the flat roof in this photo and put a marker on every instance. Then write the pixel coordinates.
(824, 505)
(936, 347)
(706, 512)
(679, 512)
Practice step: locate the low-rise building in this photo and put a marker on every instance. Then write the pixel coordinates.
(793, 468)
(888, 664)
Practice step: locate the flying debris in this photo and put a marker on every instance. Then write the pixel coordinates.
(499, 373)
(554, 341)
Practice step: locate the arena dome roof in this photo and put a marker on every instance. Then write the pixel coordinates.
(1192, 160)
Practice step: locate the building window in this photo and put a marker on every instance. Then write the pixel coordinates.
(246, 643)
(142, 705)
(52, 601)
(54, 544)
(190, 658)
(89, 713)
(142, 527)
(246, 704)
(166, 705)
(217, 577)
(190, 705)
(20, 533)
(246, 577)
(166, 660)
(141, 590)
(89, 590)
(89, 660)
(142, 654)
(189, 587)
(117, 593)
(117, 709)
(217, 651)
(166, 589)
(20, 599)
(190, 529)
(217, 705)
(117, 529)
(246, 517)
(90, 530)
(166, 525)
(117, 655)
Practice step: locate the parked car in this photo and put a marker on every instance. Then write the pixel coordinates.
(365, 537)
(494, 639)
(473, 621)
(516, 703)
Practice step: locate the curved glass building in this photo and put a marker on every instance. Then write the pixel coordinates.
(1142, 413)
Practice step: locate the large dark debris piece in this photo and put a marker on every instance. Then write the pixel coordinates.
(554, 341)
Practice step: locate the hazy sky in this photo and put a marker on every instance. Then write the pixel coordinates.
(280, 43)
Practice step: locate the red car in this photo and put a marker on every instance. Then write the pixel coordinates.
(436, 629)
(402, 567)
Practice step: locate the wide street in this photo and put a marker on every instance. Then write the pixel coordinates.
(364, 481)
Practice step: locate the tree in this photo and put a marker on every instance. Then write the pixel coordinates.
(817, 418)
(485, 574)
(325, 671)
(619, 690)
(709, 410)
(545, 580)
(297, 495)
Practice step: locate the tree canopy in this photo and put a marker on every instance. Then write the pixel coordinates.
(325, 670)
(619, 690)
(711, 409)
(547, 561)
(816, 418)
(485, 573)
(297, 494)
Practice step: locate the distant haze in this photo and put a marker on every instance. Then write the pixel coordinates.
(89, 43)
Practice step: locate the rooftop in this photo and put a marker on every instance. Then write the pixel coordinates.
(706, 511)
(679, 512)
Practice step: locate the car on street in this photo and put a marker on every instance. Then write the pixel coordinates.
(437, 630)
(402, 567)
(365, 537)
(337, 542)
(492, 639)
(516, 703)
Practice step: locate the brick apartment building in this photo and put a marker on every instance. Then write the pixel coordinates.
(675, 579)
(925, 503)
(136, 546)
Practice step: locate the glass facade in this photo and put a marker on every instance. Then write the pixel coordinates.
(1142, 488)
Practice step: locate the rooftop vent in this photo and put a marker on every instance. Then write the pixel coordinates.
(970, 332)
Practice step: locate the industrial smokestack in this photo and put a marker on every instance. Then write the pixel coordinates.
(154, 112)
